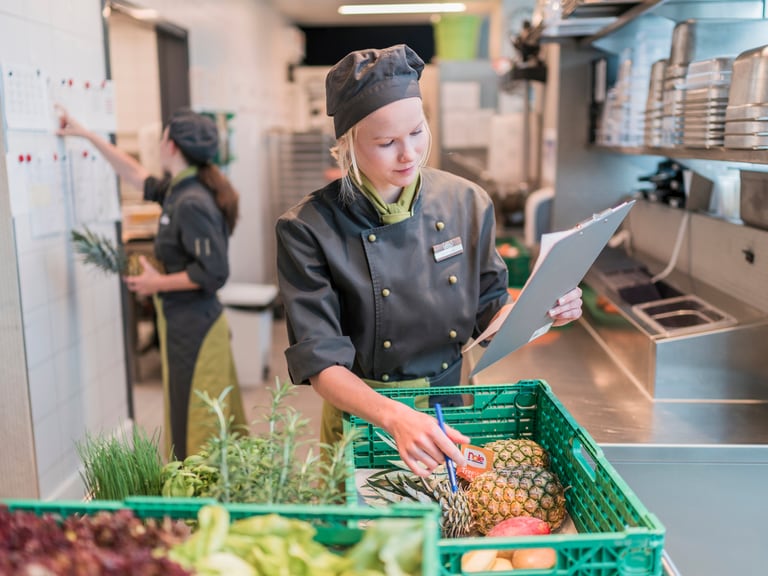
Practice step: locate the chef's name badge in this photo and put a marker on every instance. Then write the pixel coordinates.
(447, 249)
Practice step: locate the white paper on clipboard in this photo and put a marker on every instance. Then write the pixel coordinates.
(564, 259)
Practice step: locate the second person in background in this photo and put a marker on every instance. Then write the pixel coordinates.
(200, 209)
(387, 272)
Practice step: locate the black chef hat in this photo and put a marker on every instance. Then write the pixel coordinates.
(195, 135)
(365, 80)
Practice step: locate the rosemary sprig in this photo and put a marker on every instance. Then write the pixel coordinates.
(262, 469)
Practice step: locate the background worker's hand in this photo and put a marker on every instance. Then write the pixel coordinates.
(567, 308)
(68, 126)
(146, 283)
(422, 444)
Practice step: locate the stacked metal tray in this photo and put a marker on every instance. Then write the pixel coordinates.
(746, 115)
(672, 100)
(654, 107)
(705, 98)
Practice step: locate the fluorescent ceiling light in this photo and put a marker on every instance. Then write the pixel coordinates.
(421, 8)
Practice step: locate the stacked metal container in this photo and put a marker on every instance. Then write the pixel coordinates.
(683, 44)
(625, 113)
(654, 106)
(696, 41)
(746, 116)
(705, 98)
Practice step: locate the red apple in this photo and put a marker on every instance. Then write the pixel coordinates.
(520, 526)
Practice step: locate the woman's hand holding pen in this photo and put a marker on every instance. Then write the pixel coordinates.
(146, 283)
(422, 444)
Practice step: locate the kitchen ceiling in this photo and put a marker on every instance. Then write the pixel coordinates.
(324, 12)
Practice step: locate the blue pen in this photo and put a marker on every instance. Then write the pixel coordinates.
(449, 464)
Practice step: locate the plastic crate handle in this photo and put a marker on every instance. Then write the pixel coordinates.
(586, 453)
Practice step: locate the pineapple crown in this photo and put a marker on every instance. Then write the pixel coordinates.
(99, 251)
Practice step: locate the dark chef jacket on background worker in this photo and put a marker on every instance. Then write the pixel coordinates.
(199, 211)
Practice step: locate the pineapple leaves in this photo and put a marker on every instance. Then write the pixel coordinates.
(99, 251)
(392, 486)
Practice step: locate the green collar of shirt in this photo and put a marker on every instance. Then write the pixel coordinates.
(188, 172)
(396, 212)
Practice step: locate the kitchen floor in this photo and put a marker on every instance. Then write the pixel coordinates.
(148, 390)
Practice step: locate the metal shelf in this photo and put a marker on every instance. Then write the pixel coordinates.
(624, 19)
(577, 17)
(719, 154)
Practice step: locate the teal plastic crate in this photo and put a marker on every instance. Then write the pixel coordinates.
(518, 267)
(617, 535)
(338, 527)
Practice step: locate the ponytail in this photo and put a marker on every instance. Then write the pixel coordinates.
(225, 195)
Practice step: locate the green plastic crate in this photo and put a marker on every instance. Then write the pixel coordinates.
(617, 535)
(519, 267)
(337, 526)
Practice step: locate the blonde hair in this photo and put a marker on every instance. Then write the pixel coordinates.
(344, 154)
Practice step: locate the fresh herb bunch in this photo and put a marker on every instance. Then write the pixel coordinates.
(234, 467)
(99, 251)
(116, 467)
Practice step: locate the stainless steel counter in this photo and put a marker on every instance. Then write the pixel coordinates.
(706, 348)
(700, 466)
(612, 407)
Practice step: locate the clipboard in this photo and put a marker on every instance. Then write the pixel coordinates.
(564, 260)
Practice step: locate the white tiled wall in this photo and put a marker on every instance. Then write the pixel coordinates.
(71, 316)
(73, 333)
(75, 357)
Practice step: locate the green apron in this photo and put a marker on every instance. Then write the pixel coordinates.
(195, 358)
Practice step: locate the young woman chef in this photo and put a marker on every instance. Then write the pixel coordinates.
(200, 209)
(387, 272)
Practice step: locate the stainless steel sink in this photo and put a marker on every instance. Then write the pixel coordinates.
(678, 338)
(682, 315)
(634, 286)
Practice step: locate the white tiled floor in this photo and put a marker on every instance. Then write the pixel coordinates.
(148, 393)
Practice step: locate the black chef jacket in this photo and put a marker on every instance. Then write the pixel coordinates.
(389, 302)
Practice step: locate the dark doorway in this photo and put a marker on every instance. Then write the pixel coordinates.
(173, 57)
(326, 45)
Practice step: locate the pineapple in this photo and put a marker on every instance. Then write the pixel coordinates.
(517, 491)
(397, 485)
(517, 451)
(134, 267)
(102, 253)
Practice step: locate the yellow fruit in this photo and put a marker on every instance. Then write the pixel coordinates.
(534, 558)
(517, 451)
(134, 267)
(501, 565)
(478, 560)
(525, 490)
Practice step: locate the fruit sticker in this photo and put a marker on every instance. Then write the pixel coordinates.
(478, 459)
